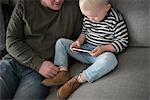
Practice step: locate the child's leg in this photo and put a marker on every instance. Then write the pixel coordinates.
(62, 50)
(102, 65)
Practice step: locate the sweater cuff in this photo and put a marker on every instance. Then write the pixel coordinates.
(36, 63)
(116, 47)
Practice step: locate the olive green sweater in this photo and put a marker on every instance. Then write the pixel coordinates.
(34, 29)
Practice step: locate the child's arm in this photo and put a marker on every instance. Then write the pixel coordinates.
(120, 42)
(121, 38)
(78, 42)
(108, 48)
(81, 38)
(103, 48)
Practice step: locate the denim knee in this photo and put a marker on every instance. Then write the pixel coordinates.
(60, 41)
(111, 57)
(103, 64)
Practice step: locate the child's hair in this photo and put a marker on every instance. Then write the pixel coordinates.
(92, 4)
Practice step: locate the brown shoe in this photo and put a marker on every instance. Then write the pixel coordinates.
(59, 79)
(68, 88)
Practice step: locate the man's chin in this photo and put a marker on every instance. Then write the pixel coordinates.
(56, 8)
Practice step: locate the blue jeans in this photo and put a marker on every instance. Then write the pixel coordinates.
(19, 82)
(100, 65)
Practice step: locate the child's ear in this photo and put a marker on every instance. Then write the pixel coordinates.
(108, 6)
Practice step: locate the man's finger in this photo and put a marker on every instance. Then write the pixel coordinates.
(51, 75)
(47, 76)
(54, 72)
(56, 68)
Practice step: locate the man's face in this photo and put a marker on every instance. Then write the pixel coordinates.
(53, 4)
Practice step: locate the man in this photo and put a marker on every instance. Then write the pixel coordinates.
(32, 32)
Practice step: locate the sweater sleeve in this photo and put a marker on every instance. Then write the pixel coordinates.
(15, 41)
(121, 36)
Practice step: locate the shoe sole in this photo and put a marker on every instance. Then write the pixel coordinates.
(55, 84)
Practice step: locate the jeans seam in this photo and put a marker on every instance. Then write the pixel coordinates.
(5, 85)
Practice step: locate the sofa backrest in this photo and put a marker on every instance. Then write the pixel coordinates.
(13, 2)
(137, 16)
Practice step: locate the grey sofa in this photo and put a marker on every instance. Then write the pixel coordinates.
(130, 80)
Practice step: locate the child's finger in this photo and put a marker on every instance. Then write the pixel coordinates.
(92, 54)
(95, 54)
(73, 50)
(71, 45)
(94, 50)
(78, 44)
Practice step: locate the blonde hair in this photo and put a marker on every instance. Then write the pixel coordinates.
(92, 4)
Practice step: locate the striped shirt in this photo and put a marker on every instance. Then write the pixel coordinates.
(112, 30)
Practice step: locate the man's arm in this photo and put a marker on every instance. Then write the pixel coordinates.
(15, 41)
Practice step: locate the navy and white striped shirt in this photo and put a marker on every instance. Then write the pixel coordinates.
(112, 30)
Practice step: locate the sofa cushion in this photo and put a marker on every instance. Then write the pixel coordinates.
(129, 81)
(137, 16)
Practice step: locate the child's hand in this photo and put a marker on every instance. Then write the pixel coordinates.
(97, 51)
(75, 44)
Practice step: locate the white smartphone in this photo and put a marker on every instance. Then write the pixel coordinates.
(81, 50)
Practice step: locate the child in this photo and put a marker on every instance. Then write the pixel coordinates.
(104, 33)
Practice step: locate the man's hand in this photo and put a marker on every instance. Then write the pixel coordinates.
(48, 69)
(97, 51)
(75, 44)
